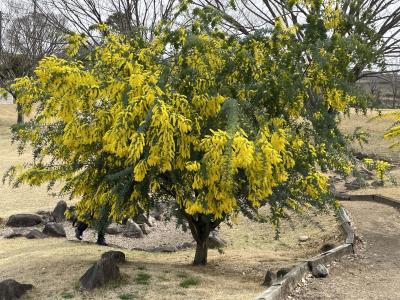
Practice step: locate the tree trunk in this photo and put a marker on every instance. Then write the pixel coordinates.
(200, 258)
(201, 226)
(20, 117)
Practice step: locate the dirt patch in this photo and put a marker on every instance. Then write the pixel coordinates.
(376, 272)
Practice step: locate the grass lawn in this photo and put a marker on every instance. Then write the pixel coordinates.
(375, 127)
(377, 146)
(25, 198)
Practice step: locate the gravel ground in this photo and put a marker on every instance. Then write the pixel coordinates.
(163, 234)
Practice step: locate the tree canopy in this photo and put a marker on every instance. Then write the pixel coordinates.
(216, 123)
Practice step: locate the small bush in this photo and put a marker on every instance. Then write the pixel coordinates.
(127, 296)
(189, 282)
(142, 278)
(67, 295)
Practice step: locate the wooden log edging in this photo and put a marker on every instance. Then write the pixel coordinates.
(288, 283)
(371, 197)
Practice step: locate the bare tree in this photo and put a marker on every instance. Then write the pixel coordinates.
(393, 80)
(28, 36)
(138, 18)
(377, 22)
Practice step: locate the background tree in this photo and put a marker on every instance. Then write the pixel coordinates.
(135, 18)
(27, 38)
(376, 23)
(220, 126)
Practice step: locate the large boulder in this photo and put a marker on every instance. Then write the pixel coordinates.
(102, 272)
(11, 289)
(142, 219)
(59, 211)
(133, 230)
(117, 256)
(114, 228)
(46, 216)
(214, 241)
(54, 229)
(24, 220)
(35, 234)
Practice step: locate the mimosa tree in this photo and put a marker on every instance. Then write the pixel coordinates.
(219, 124)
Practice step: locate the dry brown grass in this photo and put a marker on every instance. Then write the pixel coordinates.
(25, 198)
(377, 146)
(376, 127)
(55, 265)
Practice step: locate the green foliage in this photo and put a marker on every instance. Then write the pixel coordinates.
(189, 281)
(143, 278)
(127, 296)
(380, 168)
(67, 295)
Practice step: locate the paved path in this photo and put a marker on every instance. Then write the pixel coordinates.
(376, 273)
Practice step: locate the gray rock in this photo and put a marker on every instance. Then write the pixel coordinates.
(46, 216)
(24, 220)
(319, 271)
(356, 184)
(114, 228)
(35, 234)
(146, 229)
(186, 245)
(11, 289)
(164, 249)
(215, 242)
(156, 214)
(327, 247)
(133, 230)
(54, 230)
(142, 219)
(59, 211)
(282, 272)
(102, 272)
(304, 238)
(117, 256)
(269, 279)
(152, 221)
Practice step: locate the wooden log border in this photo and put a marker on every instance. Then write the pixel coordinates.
(282, 288)
(374, 198)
